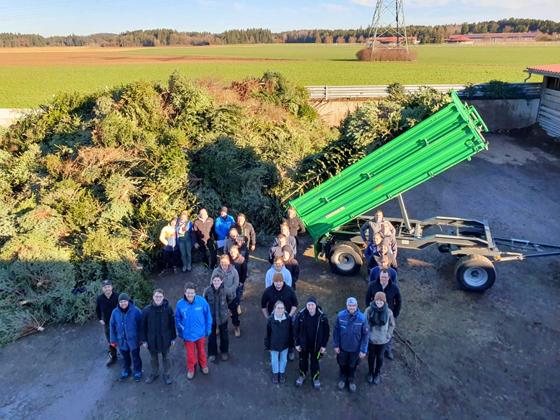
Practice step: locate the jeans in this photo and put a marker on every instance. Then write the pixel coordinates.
(213, 339)
(375, 358)
(154, 361)
(279, 360)
(136, 360)
(305, 356)
(197, 347)
(348, 361)
(185, 246)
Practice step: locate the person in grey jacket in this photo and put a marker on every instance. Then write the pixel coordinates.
(229, 274)
(377, 225)
(217, 299)
(381, 326)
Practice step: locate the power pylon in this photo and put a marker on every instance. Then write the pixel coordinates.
(388, 21)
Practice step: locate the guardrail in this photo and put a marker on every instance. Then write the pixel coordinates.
(525, 90)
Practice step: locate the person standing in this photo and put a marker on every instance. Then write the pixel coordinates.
(247, 231)
(235, 239)
(311, 335)
(193, 321)
(291, 265)
(168, 237)
(230, 276)
(278, 268)
(377, 225)
(184, 239)
(350, 337)
(277, 248)
(384, 264)
(202, 230)
(291, 240)
(158, 325)
(126, 335)
(392, 297)
(279, 336)
(240, 265)
(381, 326)
(217, 299)
(106, 302)
(222, 225)
(295, 224)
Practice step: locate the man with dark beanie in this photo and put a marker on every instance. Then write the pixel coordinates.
(311, 334)
(106, 302)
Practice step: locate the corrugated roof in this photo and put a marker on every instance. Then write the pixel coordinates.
(546, 70)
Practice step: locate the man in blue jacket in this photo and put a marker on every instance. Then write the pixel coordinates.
(125, 333)
(193, 320)
(222, 225)
(350, 338)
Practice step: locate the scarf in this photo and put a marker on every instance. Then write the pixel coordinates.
(378, 316)
(282, 318)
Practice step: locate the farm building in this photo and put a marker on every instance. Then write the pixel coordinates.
(504, 37)
(549, 107)
(459, 39)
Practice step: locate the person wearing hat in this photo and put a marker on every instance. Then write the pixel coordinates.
(350, 338)
(311, 334)
(381, 326)
(222, 225)
(126, 335)
(105, 303)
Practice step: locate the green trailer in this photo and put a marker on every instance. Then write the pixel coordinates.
(334, 211)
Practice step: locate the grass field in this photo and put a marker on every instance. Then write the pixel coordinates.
(30, 77)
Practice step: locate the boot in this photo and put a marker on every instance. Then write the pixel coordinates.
(275, 378)
(352, 386)
(282, 378)
(151, 378)
(317, 384)
(300, 380)
(377, 379)
(341, 383)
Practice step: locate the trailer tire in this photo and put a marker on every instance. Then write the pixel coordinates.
(475, 273)
(345, 258)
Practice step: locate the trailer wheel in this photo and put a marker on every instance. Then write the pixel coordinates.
(475, 273)
(345, 258)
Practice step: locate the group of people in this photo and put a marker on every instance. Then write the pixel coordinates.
(201, 320)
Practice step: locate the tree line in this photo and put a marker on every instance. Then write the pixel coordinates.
(169, 37)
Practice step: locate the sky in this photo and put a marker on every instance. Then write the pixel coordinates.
(62, 17)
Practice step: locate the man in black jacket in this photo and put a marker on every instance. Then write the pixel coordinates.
(158, 334)
(311, 333)
(106, 302)
(394, 300)
(278, 291)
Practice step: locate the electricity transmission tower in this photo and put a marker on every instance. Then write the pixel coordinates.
(387, 25)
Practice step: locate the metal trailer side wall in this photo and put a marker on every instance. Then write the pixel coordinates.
(443, 140)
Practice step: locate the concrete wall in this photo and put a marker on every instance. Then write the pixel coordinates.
(504, 114)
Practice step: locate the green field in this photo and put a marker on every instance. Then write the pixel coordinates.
(308, 64)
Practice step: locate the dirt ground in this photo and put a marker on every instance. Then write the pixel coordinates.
(100, 56)
(494, 355)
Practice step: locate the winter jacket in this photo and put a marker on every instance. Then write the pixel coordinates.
(370, 228)
(248, 232)
(375, 271)
(351, 332)
(286, 295)
(104, 307)
(306, 326)
(268, 279)
(292, 266)
(296, 225)
(381, 334)
(241, 267)
(230, 278)
(202, 230)
(218, 303)
(392, 293)
(291, 242)
(126, 327)
(277, 251)
(279, 334)
(158, 326)
(222, 226)
(193, 320)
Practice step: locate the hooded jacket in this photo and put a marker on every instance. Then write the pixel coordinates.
(320, 325)
(222, 226)
(230, 278)
(218, 303)
(193, 320)
(158, 326)
(126, 327)
(351, 332)
(392, 293)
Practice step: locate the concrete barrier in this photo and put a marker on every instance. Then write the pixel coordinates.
(506, 114)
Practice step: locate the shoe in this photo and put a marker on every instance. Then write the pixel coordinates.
(225, 357)
(205, 370)
(212, 359)
(174, 270)
(389, 355)
(352, 387)
(377, 379)
(300, 380)
(167, 380)
(317, 384)
(124, 376)
(341, 384)
(282, 378)
(184, 269)
(291, 356)
(275, 378)
(237, 331)
(239, 311)
(189, 269)
(190, 374)
(370, 379)
(151, 379)
(111, 361)
(137, 376)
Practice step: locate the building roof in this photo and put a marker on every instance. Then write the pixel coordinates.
(552, 70)
(504, 35)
